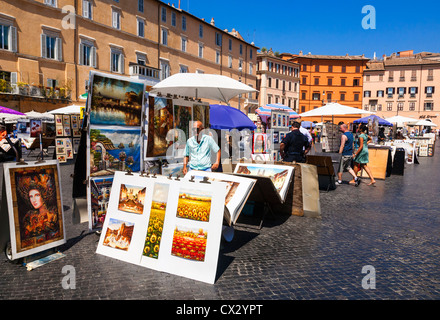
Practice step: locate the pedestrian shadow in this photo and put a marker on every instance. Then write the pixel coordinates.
(73, 241)
(241, 238)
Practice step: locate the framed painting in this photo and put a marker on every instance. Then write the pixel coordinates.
(160, 122)
(281, 176)
(34, 198)
(114, 149)
(260, 143)
(36, 128)
(116, 100)
(99, 197)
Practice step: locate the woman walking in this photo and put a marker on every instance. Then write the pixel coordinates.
(361, 154)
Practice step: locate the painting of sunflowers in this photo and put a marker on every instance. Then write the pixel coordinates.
(156, 221)
(194, 205)
(189, 244)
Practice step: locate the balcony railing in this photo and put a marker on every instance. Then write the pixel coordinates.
(142, 72)
(36, 91)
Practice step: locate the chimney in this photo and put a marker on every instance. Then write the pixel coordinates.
(179, 4)
(212, 22)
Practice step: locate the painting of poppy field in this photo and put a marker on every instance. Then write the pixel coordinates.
(194, 205)
(189, 244)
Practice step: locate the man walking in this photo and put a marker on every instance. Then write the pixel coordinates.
(346, 149)
(295, 145)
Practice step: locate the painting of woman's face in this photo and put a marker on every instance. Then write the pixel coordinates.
(35, 198)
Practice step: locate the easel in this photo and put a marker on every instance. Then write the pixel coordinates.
(263, 192)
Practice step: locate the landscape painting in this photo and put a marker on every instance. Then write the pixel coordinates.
(279, 175)
(189, 243)
(118, 234)
(194, 204)
(114, 149)
(156, 221)
(131, 198)
(116, 102)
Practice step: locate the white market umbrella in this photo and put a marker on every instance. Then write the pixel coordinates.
(72, 109)
(200, 85)
(400, 120)
(12, 118)
(333, 109)
(424, 123)
(33, 115)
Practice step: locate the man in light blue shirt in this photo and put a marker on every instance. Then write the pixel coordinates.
(198, 151)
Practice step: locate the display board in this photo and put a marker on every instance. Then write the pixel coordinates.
(68, 133)
(115, 136)
(165, 224)
(281, 176)
(378, 162)
(34, 206)
(237, 192)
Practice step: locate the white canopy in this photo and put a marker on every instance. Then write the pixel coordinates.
(33, 115)
(400, 120)
(11, 118)
(199, 85)
(67, 110)
(424, 123)
(333, 109)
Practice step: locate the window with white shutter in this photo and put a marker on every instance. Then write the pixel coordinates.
(87, 9)
(8, 35)
(51, 46)
(116, 18)
(117, 61)
(87, 53)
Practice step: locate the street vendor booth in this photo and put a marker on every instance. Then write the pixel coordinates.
(330, 138)
(277, 118)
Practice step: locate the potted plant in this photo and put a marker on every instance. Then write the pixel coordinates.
(5, 86)
(22, 87)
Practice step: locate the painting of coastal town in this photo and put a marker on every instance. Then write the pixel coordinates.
(116, 102)
(114, 149)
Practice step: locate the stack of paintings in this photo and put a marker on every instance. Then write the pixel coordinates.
(165, 224)
(115, 138)
(238, 190)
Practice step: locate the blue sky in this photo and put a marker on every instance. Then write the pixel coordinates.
(326, 26)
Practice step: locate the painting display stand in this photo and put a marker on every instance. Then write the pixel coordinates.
(165, 224)
(263, 192)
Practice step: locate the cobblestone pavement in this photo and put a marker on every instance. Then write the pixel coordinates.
(393, 227)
